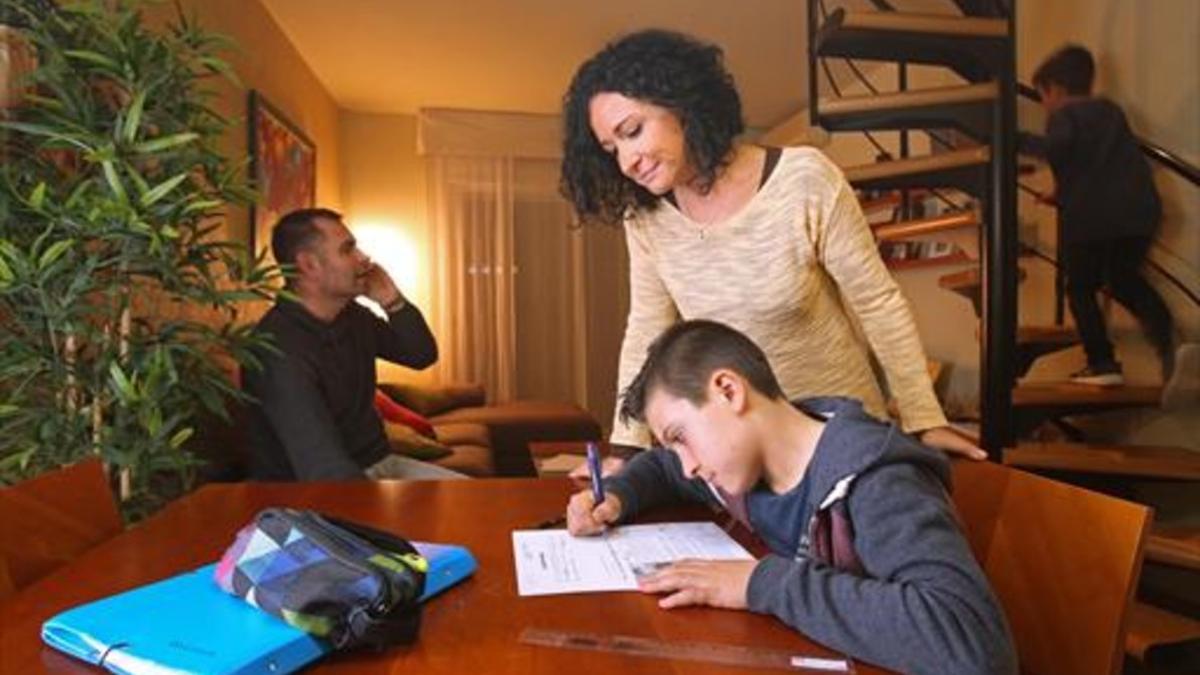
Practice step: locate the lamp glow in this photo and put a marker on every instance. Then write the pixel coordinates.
(393, 250)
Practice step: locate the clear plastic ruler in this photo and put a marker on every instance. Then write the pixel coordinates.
(730, 655)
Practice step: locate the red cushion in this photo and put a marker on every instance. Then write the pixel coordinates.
(394, 412)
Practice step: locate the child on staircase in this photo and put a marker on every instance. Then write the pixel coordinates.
(1108, 209)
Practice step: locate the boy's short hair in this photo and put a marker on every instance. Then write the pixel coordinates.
(1071, 68)
(681, 360)
(296, 231)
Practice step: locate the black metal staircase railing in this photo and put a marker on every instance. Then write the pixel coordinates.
(986, 54)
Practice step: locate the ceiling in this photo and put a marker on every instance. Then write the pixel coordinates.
(395, 56)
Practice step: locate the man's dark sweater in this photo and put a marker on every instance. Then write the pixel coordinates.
(918, 604)
(1103, 183)
(316, 418)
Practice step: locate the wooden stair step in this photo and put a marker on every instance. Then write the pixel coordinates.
(1174, 545)
(961, 280)
(1146, 461)
(927, 24)
(955, 159)
(1083, 396)
(890, 199)
(913, 228)
(968, 278)
(962, 43)
(916, 98)
(1152, 631)
(964, 169)
(965, 107)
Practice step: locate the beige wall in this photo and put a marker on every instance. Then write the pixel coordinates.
(383, 188)
(383, 198)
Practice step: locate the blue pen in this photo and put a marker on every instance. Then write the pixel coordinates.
(593, 460)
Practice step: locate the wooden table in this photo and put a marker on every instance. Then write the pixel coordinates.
(472, 628)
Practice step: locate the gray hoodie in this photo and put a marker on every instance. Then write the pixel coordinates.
(881, 570)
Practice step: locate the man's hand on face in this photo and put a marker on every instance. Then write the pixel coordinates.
(380, 287)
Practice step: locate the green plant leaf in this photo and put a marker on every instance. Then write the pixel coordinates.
(134, 117)
(114, 181)
(77, 194)
(202, 205)
(121, 382)
(38, 197)
(93, 57)
(6, 273)
(164, 143)
(162, 189)
(217, 65)
(181, 437)
(44, 101)
(17, 461)
(54, 252)
(40, 130)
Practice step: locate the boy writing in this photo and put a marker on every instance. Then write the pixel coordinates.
(866, 554)
(1108, 210)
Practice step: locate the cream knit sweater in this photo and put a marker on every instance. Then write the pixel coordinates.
(794, 269)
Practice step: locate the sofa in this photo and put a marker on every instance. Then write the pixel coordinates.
(458, 411)
(472, 436)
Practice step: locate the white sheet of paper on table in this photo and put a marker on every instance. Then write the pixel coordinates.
(552, 562)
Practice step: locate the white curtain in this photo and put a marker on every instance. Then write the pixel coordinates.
(471, 207)
(525, 302)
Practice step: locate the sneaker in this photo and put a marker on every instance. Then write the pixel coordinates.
(1100, 376)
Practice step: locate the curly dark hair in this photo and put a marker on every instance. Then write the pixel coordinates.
(667, 69)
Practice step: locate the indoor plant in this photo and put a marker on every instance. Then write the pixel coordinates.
(120, 308)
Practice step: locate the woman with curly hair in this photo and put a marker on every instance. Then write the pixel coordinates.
(770, 241)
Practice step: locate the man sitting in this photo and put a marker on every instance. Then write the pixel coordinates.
(314, 416)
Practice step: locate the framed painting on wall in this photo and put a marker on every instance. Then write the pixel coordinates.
(283, 169)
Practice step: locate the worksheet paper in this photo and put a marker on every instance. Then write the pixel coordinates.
(551, 562)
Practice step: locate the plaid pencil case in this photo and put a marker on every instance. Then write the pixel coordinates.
(343, 582)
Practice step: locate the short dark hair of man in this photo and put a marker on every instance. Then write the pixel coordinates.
(667, 69)
(296, 231)
(682, 359)
(1071, 68)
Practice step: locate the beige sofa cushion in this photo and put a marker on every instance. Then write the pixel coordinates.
(463, 433)
(473, 460)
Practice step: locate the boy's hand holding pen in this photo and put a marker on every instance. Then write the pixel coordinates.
(585, 517)
(590, 512)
